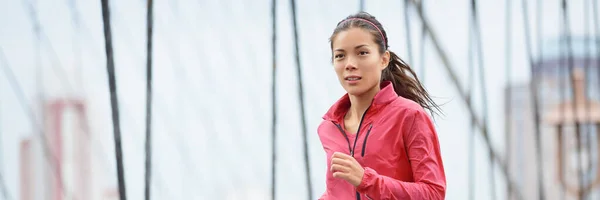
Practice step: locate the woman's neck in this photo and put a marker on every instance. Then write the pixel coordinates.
(360, 103)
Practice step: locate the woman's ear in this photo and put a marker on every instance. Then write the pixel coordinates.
(385, 60)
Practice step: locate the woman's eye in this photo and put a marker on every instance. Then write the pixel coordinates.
(338, 56)
(362, 53)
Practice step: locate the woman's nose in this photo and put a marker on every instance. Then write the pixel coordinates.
(350, 63)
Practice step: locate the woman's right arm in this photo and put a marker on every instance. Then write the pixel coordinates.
(423, 150)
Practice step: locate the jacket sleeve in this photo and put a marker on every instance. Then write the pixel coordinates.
(423, 151)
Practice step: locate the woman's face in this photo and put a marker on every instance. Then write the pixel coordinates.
(357, 61)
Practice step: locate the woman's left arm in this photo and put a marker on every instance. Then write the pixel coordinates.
(423, 151)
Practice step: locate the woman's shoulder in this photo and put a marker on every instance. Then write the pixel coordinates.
(405, 112)
(405, 106)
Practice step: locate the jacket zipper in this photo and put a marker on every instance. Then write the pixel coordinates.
(349, 148)
(356, 139)
(362, 153)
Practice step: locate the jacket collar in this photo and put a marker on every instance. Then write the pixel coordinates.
(383, 97)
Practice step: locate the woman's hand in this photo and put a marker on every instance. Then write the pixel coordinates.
(346, 167)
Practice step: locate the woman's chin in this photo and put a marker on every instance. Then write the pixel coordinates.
(355, 91)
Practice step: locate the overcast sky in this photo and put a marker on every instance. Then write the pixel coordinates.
(212, 111)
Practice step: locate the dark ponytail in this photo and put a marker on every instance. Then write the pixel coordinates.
(406, 83)
(403, 78)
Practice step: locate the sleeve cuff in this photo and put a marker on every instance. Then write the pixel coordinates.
(367, 181)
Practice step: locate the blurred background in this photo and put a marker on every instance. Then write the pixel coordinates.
(518, 81)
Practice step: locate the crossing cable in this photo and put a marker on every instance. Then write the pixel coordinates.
(476, 29)
(533, 87)
(76, 43)
(82, 25)
(508, 91)
(458, 86)
(162, 118)
(20, 94)
(538, 109)
(148, 164)
(567, 36)
(113, 97)
(273, 99)
(41, 36)
(160, 109)
(77, 23)
(5, 192)
(586, 81)
(422, 53)
(597, 40)
(362, 5)
(3, 189)
(561, 99)
(301, 98)
(407, 31)
(471, 83)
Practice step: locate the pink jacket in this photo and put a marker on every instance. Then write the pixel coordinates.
(397, 146)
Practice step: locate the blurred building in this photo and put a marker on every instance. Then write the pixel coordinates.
(60, 160)
(34, 170)
(558, 138)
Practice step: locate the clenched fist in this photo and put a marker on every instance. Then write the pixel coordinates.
(346, 167)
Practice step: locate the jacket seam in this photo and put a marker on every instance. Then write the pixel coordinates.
(406, 138)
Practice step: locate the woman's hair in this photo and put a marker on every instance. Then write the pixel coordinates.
(403, 78)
